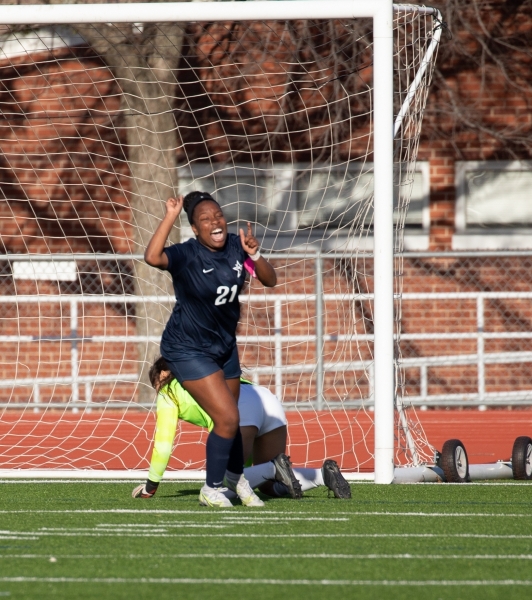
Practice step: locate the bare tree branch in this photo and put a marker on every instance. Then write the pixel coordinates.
(482, 93)
(144, 64)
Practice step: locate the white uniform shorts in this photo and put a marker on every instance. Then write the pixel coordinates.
(259, 408)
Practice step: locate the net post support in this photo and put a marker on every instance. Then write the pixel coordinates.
(383, 242)
(74, 354)
(319, 331)
(277, 323)
(36, 397)
(481, 376)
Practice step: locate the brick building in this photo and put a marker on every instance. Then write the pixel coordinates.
(66, 188)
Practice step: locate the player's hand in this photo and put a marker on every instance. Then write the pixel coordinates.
(174, 206)
(249, 241)
(140, 492)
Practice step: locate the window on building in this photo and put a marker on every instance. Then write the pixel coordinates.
(493, 207)
(335, 198)
(246, 193)
(303, 199)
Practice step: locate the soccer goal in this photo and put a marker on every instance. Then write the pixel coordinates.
(302, 118)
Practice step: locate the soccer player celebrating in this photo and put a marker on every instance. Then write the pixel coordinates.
(264, 433)
(199, 341)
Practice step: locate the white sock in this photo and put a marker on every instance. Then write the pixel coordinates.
(234, 478)
(258, 474)
(308, 478)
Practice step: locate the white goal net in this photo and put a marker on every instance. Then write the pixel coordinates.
(100, 124)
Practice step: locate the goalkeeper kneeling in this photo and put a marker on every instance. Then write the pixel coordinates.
(264, 433)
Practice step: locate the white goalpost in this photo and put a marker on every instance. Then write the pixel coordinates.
(302, 117)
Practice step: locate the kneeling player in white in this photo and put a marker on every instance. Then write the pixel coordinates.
(264, 434)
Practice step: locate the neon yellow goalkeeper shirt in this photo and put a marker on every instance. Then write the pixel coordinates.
(173, 403)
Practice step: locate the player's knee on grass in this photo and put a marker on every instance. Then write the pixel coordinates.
(249, 434)
(269, 445)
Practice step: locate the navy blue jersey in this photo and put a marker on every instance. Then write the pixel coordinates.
(207, 310)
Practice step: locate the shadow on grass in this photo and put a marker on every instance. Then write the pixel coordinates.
(179, 494)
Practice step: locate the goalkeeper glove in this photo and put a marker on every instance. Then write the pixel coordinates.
(145, 490)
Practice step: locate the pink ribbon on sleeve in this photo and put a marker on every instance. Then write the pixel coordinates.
(249, 265)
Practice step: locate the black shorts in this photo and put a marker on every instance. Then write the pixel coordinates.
(197, 365)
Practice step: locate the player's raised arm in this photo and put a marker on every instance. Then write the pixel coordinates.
(263, 269)
(154, 254)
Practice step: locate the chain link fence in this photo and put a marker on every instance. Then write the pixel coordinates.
(466, 329)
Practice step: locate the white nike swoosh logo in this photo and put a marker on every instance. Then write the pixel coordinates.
(208, 270)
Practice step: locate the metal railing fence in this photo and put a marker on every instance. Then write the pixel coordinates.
(473, 331)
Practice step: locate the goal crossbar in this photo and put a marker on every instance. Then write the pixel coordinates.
(143, 12)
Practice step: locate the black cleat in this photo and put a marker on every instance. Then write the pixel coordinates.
(334, 480)
(285, 475)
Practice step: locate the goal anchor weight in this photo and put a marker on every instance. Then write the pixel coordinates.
(452, 466)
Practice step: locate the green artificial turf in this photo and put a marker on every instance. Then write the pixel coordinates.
(91, 540)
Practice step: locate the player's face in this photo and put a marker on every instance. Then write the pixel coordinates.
(210, 226)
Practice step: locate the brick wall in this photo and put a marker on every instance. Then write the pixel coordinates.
(65, 186)
(64, 178)
(479, 106)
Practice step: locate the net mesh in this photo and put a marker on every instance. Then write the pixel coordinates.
(100, 125)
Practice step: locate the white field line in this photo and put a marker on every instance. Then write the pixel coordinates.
(277, 556)
(237, 518)
(125, 533)
(121, 528)
(386, 514)
(195, 481)
(263, 514)
(94, 481)
(307, 582)
(268, 519)
(150, 525)
(469, 484)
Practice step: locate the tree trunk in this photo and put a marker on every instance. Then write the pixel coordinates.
(144, 67)
(154, 179)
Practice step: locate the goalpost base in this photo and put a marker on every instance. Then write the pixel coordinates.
(423, 474)
(500, 470)
(90, 474)
(434, 474)
(131, 475)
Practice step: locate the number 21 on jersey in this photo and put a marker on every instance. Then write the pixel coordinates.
(223, 292)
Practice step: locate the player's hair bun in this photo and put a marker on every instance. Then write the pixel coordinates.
(190, 201)
(155, 371)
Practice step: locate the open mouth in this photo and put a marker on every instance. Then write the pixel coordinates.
(217, 235)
